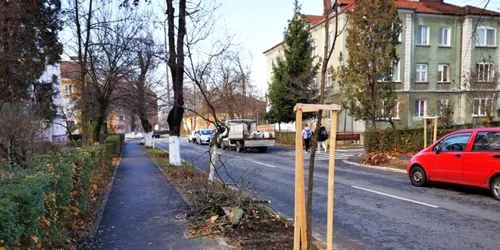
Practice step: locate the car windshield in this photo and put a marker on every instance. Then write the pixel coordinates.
(206, 132)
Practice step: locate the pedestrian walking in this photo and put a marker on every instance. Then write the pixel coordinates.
(323, 136)
(307, 134)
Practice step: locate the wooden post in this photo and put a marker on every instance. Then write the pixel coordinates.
(299, 173)
(425, 132)
(331, 183)
(435, 128)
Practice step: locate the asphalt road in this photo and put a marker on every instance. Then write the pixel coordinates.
(373, 209)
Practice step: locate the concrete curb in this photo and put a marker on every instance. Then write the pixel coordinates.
(395, 170)
(222, 243)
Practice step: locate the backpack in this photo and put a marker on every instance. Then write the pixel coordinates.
(308, 133)
(324, 134)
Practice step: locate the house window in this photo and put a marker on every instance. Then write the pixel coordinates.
(423, 35)
(444, 37)
(421, 72)
(443, 73)
(396, 76)
(485, 36)
(441, 106)
(328, 115)
(68, 89)
(485, 72)
(480, 106)
(420, 108)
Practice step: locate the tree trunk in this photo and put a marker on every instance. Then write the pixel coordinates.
(213, 160)
(176, 65)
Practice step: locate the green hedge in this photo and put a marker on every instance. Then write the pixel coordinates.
(286, 138)
(407, 141)
(114, 143)
(40, 205)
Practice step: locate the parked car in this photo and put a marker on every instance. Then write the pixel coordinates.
(192, 136)
(203, 136)
(156, 134)
(467, 157)
(134, 135)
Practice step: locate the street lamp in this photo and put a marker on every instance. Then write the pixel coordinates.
(166, 65)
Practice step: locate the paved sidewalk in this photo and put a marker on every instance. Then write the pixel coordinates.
(143, 210)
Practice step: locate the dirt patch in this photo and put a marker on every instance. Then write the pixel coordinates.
(385, 160)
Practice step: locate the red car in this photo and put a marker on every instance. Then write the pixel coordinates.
(467, 157)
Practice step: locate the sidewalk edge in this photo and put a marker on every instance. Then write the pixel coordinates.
(401, 171)
(100, 212)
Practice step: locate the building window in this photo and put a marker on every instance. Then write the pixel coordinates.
(485, 72)
(485, 36)
(328, 80)
(420, 108)
(330, 40)
(441, 106)
(328, 115)
(68, 89)
(480, 106)
(421, 72)
(444, 37)
(443, 73)
(315, 47)
(394, 112)
(396, 76)
(423, 35)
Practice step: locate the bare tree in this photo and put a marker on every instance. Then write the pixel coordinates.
(481, 85)
(329, 10)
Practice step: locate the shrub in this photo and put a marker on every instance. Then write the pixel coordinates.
(41, 204)
(286, 138)
(114, 143)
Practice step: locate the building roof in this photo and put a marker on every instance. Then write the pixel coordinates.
(432, 7)
(419, 6)
(70, 70)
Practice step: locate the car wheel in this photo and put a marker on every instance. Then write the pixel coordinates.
(239, 146)
(262, 149)
(495, 188)
(418, 177)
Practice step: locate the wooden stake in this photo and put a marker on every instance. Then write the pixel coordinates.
(425, 132)
(435, 128)
(299, 173)
(331, 182)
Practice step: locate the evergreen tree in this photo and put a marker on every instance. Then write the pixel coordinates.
(365, 79)
(28, 43)
(293, 77)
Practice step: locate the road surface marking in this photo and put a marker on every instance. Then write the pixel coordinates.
(264, 164)
(396, 197)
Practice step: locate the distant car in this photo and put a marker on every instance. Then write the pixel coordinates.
(203, 136)
(467, 157)
(134, 135)
(156, 134)
(192, 136)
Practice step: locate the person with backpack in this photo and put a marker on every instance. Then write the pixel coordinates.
(323, 136)
(307, 135)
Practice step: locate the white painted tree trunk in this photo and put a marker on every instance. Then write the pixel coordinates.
(174, 151)
(148, 139)
(213, 160)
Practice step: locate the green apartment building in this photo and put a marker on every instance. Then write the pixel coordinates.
(448, 57)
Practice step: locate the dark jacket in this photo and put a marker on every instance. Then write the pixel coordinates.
(323, 134)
